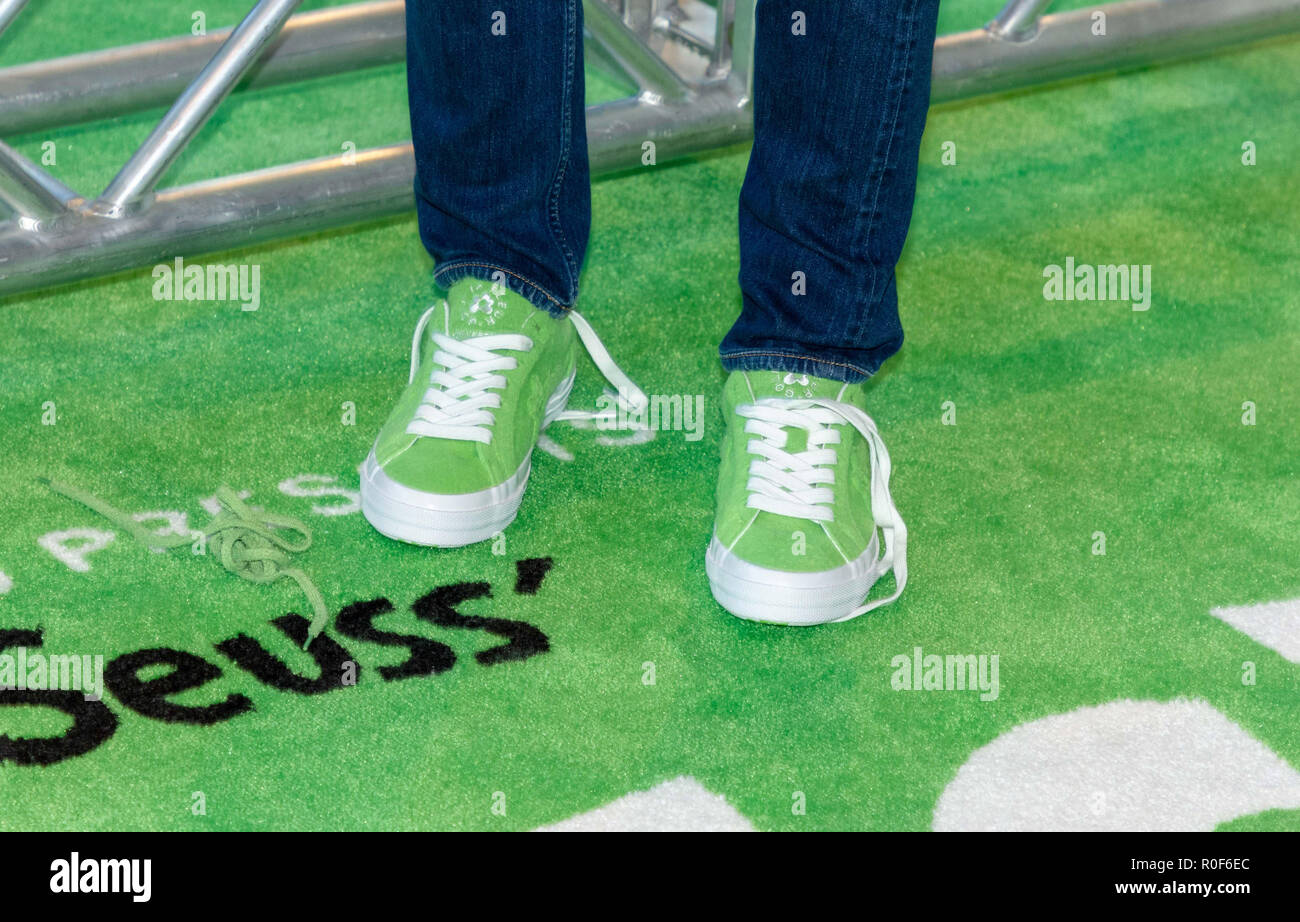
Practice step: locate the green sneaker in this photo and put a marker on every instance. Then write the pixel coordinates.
(802, 488)
(489, 372)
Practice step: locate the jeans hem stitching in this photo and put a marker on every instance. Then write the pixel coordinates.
(515, 275)
(795, 355)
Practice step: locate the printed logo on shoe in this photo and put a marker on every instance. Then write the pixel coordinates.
(484, 311)
(790, 385)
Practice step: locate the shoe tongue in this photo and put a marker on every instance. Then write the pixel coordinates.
(780, 384)
(479, 308)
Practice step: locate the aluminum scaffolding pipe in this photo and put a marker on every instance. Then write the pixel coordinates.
(1137, 33)
(101, 84)
(1018, 20)
(9, 10)
(34, 196)
(630, 54)
(966, 64)
(220, 214)
(618, 131)
(191, 111)
(302, 198)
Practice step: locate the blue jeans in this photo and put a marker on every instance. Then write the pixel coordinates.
(503, 185)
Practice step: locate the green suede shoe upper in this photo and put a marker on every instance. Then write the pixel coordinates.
(475, 309)
(784, 542)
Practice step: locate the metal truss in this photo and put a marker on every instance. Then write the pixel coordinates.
(690, 60)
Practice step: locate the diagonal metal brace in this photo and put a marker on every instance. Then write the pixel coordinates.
(132, 187)
(32, 194)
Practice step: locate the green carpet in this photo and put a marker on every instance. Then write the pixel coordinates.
(1072, 418)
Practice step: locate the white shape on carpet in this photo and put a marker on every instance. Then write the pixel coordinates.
(553, 448)
(319, 485)
(1274, 624)
(680, 805)
(73, 556)
(5, 583)
(175, 522)
(1124, 765)
(213, 506)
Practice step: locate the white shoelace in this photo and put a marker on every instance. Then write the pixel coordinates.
(464, 387)
(799, 484)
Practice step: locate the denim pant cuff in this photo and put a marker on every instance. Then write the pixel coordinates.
(794, 363)
(447, 275)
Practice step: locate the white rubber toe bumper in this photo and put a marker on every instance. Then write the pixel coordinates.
(449, 519)
(781, 597)
(439, 520)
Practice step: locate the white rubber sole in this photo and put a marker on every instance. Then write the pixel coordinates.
(449, 519)
(797, 599)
